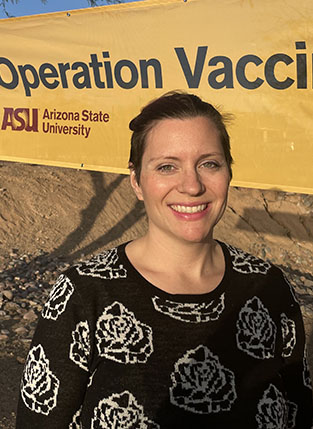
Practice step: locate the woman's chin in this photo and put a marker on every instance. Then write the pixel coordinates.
(195, 237)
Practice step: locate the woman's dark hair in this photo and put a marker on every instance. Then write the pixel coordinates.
(173, 105)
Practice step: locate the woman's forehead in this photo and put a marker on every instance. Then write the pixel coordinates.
(173, 136)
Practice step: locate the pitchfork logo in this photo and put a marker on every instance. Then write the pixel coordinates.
(20, 119)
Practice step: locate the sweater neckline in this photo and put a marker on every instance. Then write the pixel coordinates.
(153, 290)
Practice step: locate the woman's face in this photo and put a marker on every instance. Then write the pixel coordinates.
(184, 179)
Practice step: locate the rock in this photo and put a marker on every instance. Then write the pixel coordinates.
(24, 294)
(308, 283)
(20, 360)
(20, 330)
(307, 311)
(8, 294)
(30, 316)
(3, 337)
(11, 307)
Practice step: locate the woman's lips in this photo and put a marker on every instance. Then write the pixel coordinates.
(191, 211)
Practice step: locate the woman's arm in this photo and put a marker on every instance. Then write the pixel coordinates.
(56, 371)
(295, 373)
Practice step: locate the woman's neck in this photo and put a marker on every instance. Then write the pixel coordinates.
(178, 266)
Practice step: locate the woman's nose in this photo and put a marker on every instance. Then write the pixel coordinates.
(191, 183)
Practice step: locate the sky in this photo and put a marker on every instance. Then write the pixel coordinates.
(32, 7)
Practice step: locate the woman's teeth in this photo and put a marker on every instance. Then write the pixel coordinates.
(189, 209)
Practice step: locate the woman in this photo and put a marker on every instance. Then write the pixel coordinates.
(174, 329)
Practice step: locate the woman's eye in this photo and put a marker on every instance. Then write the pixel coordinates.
(211, 164)
(166, 168)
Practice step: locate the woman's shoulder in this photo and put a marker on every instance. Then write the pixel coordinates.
(105, 266)
(268, 273)
(86, 284)
(244, 262)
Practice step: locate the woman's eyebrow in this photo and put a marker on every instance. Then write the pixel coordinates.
(164, 158)
(176, 158)
(208, 155)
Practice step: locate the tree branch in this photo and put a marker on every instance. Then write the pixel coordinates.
(92, 3)
(3, 5)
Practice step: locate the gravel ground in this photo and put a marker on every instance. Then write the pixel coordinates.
(24, 286)
(25, 282)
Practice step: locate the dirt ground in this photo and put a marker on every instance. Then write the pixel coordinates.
(71, 213)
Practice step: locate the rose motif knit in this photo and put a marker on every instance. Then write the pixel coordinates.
(58, 298)
(121, 337)
(113, 351)
(256, 331)
(289, 335)
(80, 346)
(103, 266)
(247, 264)
(306, 372)
(190, 312)
(120, 411)
(201, 384)
(76, 423)
(39, 387)
(275, 412)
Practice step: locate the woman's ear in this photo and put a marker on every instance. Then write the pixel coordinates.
(134, 184)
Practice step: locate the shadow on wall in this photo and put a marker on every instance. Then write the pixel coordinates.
(261, 221)
(114, 233)
(102, 193)
(282, 224)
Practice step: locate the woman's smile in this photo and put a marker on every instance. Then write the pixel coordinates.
(188, 209)
(189, 213)
(184, 178)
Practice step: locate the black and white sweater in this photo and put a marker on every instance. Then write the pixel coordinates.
(113, 351)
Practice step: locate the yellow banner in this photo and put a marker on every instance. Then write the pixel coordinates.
(71, 81)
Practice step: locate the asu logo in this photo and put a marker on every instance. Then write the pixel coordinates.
(20, 119)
